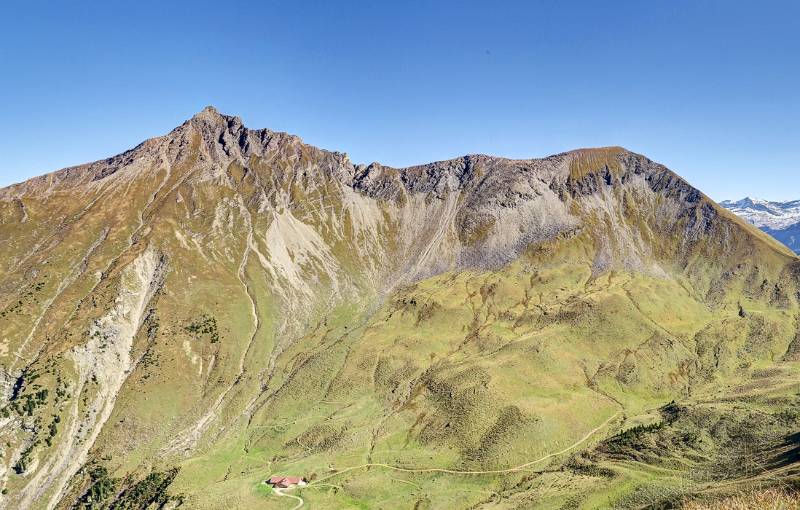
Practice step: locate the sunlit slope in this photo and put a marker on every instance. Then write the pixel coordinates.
(218, 304)
(489, 371)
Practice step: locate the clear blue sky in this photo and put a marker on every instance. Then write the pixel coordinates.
(710, 88)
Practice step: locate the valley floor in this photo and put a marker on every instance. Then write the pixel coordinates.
(701, 476)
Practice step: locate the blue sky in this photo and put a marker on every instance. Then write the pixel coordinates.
(710, 88)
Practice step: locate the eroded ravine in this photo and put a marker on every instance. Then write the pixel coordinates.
(105, 360)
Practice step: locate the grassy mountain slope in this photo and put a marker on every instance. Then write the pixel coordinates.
(219, 304)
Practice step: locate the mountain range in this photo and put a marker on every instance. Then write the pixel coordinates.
(781, 220)
(222, 305)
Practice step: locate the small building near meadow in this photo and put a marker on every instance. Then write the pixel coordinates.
(284, 482)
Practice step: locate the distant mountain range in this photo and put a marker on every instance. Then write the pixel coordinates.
(781, 220)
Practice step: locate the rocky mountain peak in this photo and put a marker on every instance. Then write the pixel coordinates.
(208, 111)
(224, 138)
(211, 116)
(212, 125)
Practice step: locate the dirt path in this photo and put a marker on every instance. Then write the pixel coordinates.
(487, 472)
(299, 500)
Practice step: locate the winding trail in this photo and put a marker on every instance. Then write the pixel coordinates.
(521, 467)
(299, 500)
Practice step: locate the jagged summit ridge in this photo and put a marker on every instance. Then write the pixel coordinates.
(481, 192)
(218, 137)
(222, 138)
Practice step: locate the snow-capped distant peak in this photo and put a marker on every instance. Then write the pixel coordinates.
(764, 213)
(779, 219)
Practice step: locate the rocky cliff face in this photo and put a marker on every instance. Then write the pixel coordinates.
(184, 304)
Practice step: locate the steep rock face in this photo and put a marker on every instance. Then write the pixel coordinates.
(536, 199)
(281, 269)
